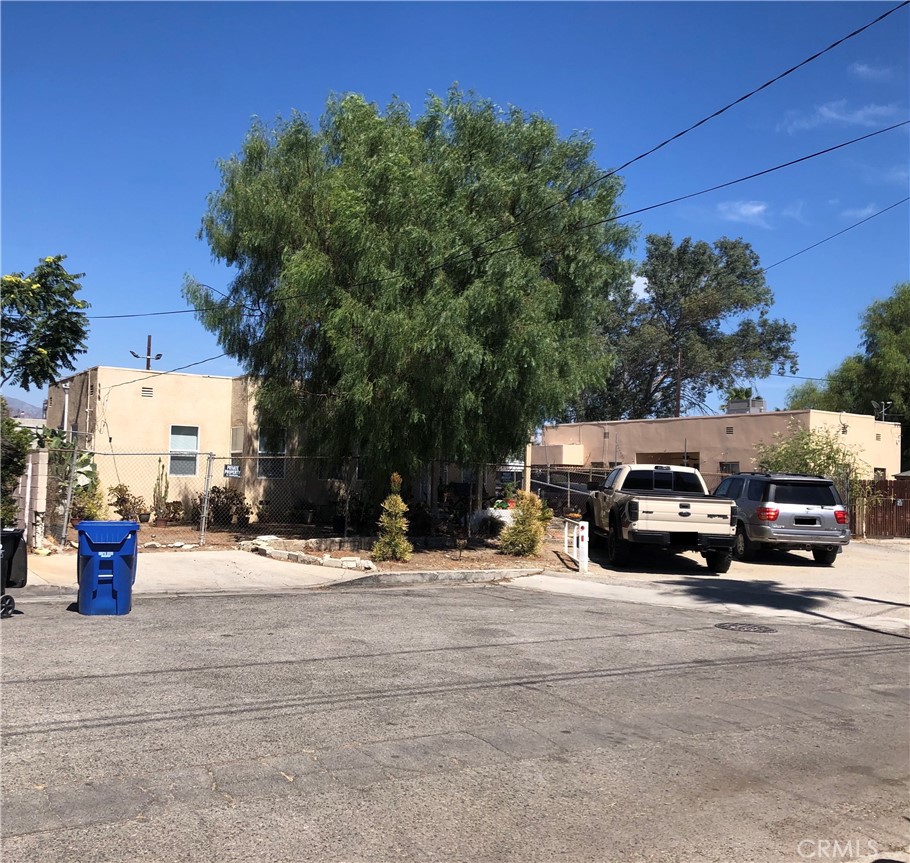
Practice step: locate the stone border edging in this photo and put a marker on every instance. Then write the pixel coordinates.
(390, 579)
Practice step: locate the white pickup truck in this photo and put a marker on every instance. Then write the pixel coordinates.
(661, 506)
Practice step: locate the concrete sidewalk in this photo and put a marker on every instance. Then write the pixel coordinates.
(184, 572)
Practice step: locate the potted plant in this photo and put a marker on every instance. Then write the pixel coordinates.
(172, 511)
(128, 506)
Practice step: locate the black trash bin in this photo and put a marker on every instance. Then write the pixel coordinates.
(14, 563)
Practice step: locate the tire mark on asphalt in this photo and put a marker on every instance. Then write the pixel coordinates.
(302, 703)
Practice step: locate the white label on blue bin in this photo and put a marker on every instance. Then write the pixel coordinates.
(105, 554)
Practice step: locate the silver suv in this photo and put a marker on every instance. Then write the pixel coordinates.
(787, 511)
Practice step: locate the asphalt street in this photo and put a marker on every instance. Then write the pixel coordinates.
(469, 723)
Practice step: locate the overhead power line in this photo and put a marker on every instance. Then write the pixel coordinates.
(168, 372)
(666, 203)
(704, 191)
(678, 135)
(844, 231)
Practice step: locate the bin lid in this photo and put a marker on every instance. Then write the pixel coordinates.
(107, 531)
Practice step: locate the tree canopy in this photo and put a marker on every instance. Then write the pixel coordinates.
(15, 442)
(813, 452)
(880, 373)
(369, 301)
(703, 316)
(44, 326)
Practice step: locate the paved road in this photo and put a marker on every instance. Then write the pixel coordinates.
(447, 724)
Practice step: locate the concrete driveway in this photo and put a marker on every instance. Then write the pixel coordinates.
(868, 587)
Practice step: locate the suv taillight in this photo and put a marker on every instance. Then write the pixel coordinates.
(840, 516)
(767, 513)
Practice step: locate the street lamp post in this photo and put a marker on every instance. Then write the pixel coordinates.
(883, 407)
(148, 355)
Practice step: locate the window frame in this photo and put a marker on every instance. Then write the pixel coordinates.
(182, 454)
(270, 458)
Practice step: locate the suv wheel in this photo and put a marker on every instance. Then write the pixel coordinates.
(743, 547)
(824, 557)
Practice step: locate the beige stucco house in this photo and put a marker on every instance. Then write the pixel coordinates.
(197, 429)
(714, 444)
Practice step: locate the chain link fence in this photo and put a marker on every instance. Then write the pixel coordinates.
(189, 498)
(202, 498)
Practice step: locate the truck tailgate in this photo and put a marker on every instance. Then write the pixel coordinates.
(701, 515)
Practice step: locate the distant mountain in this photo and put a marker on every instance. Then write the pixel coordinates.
(19, 408)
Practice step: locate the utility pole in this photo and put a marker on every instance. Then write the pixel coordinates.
(148, 355)
(679, 383)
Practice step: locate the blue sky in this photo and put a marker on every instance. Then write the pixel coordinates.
(113, 116)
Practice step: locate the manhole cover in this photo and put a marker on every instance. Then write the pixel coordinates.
(744, 627)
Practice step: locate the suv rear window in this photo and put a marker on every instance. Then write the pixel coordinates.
(807, 493)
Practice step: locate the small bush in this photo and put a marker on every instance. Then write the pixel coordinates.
(126, 504)
(524, 536)
(393, 527)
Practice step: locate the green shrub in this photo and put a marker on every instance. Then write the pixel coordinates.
(126, 504)
(15, 442)
(393, 527)
(524, 536)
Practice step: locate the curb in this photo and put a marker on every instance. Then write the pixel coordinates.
(455, 576)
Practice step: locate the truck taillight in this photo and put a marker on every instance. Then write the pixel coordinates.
(632, 510)
(767, 513)
(733, 513)
(840, 516)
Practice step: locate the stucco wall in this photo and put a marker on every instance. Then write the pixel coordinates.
(712, 441)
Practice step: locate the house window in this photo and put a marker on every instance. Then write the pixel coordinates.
(236, 440)
(729, 467)
(147, 392)
(270, 464)
(879, 473)
(184, 448)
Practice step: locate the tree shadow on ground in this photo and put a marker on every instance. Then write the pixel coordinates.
(772, 595)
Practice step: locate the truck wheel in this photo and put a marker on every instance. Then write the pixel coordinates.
(593, 535)
(742, 546)
(617, 547)
(718, 561)
(824, 557)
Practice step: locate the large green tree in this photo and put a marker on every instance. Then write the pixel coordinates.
(880, 373)
(15, 442)
(701, 324)
(44, 326)
(368, 301)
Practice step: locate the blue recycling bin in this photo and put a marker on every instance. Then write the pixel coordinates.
(106, 566)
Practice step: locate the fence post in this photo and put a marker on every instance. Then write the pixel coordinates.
(207, 487)
(583, 547)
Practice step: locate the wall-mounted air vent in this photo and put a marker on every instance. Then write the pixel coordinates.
(729, 429)
(91, 390)
(147, 392)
